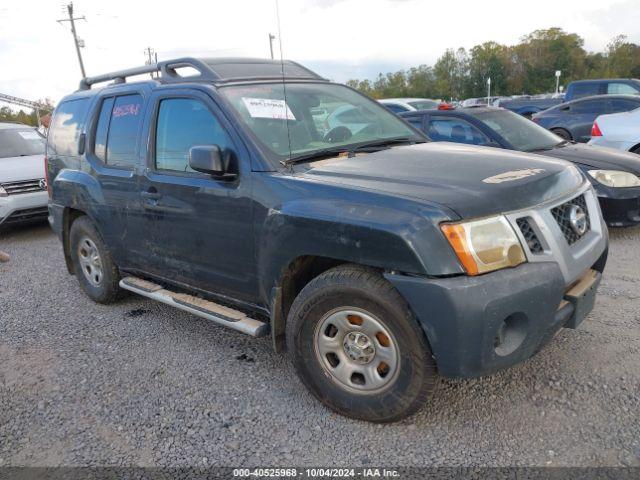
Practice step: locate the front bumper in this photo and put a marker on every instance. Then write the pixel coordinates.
(620, 206)
(478, 325)
(24, 207)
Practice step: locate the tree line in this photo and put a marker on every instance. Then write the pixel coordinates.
(7, 114)
(525, 68)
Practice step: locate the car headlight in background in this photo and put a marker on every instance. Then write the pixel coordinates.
(615, 178)
(3, 192)
(484, 245)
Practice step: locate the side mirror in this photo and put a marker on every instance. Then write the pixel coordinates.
(207, 159)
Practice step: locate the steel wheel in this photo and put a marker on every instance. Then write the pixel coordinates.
(357, 350)
(90, 261)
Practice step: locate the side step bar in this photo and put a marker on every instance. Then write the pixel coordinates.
(203, 308)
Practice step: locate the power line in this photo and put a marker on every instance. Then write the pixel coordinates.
(77, 42)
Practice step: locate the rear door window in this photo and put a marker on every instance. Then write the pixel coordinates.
(116, 138)
(590, 106)
(450, 129)
(621, 89)
(622, 105)
(66, 126)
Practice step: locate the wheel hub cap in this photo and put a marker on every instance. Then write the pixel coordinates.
(356, 350)
(359, 347)
(90, 261)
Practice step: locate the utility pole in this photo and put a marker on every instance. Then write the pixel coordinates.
(150, 54)
(77, 42)
(272, 37)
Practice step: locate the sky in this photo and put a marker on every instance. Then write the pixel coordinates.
(340, 39)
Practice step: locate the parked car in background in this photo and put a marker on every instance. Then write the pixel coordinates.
(615, 176)
(378, 258)
(573, 120)
(529, 105)
(617, 130)
(472, 102)
(605, 86)
(23, 195)
(347, 116)
(398, 105)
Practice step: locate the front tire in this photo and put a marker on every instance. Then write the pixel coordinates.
(358, 348)
(93, 266)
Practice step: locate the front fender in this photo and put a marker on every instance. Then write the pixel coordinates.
(395, 235)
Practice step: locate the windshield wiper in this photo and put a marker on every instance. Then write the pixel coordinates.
(544, 149)
(369, 147)
(324, 153)
(382, 144)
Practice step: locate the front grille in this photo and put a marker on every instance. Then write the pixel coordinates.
(24, 186)
(26, 215)
(530, 236)
(562, 215)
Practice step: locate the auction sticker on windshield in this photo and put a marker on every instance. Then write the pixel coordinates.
(268, 108)
(30, 135)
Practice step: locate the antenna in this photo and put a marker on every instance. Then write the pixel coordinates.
(284, 86)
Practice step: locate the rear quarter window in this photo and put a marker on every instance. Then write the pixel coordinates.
(66, 126)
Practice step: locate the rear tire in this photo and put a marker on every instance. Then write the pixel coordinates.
(358, 348)
(562, 133)
(93, 266)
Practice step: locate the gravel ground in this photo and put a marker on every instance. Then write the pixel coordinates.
(139, 383)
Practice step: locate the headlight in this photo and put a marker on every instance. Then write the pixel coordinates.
(484, 245)
(615, 178)
(3, 192)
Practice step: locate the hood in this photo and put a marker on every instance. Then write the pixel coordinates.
(596, 157)
(13, 169)
(472, 181)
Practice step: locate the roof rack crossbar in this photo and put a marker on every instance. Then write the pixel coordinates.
(167, 69)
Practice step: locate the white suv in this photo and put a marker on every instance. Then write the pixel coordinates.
(23, 189)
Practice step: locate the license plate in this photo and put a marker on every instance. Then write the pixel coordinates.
(583, 297)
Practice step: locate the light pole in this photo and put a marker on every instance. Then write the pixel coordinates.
(558, 73)
(488, 90)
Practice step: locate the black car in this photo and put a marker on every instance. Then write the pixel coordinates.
(614, 174)
(361, 247)
(573, 120)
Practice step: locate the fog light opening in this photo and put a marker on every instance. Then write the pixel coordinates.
(510, 334)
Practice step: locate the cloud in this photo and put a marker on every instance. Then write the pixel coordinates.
(340, 39)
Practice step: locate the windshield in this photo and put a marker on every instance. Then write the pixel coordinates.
(321, 116)
(520, 132)
(423, 104)
(18, 142)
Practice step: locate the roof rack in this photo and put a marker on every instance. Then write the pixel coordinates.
(166, 68)
(218, 70)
